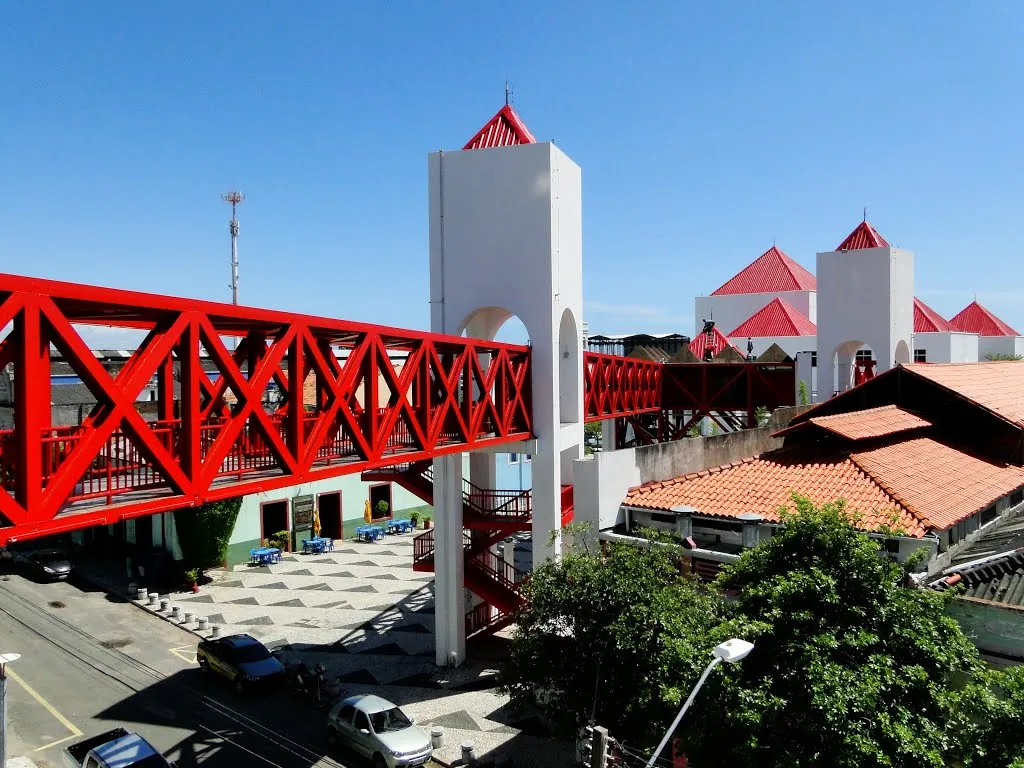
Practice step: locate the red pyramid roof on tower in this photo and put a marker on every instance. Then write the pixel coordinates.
(974, 318)
(505, 129)
(927, 320)
(771, 272)
(718, 343)
(776, 318)
(864, 236)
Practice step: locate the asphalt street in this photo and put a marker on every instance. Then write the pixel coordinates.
(91, 663)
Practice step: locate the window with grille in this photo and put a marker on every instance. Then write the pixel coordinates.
(920, 355)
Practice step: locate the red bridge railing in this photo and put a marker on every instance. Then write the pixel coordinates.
(615, 386)
(354, 397)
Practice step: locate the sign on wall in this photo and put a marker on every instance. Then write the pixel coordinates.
(302, 513)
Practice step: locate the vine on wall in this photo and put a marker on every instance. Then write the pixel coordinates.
(204, 532)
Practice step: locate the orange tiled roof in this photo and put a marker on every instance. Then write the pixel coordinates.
(996, 386)
(765, 483)
(873, 422)
(939, 483)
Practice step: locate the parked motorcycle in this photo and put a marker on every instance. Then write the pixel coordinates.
(313, 683)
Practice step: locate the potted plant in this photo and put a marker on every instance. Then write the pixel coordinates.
(382, 508)
(415, 519)
(280, 540)
(427, 521)
(192, 579)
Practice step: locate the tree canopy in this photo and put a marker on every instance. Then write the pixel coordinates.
(850, 668)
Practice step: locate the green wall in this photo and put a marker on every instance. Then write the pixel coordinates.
(993, 627)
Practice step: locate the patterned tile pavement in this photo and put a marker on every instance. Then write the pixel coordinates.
(362, 612)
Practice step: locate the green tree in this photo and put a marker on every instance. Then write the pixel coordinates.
(592, 431)
(989, 721)
(998, 356)
(607, 636)
(204, 532)
(802, 397)
(850, 669)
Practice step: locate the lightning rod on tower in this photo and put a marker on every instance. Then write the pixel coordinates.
(234, 197)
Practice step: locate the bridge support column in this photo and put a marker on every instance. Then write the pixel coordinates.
(449, 568)
(482, 473)
(608, 435)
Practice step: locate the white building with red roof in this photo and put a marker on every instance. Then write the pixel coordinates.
(776, 300)
(995, 338)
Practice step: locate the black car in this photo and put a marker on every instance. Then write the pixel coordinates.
(242, 659)
(44, 564)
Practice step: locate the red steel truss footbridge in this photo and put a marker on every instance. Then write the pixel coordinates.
(354, 397)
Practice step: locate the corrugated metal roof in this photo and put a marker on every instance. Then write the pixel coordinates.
(771, 272)
(864, 236)
(927, 320)
(776, 318)
(974, 318)
(505, 129)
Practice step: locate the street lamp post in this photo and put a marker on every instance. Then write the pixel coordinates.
(732, 651)
(5, 659)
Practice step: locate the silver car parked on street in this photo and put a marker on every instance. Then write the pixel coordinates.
(377, 729)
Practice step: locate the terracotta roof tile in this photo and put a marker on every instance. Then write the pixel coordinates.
(997, 386)
(873, 422)
(927, 320)
(938, 482)
(764, 484)
(776, 318)
(974, 318)
(505, 129)
(864, 236)
(771, 272)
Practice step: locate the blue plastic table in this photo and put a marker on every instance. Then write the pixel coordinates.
(317, 545)
(399, 526)
(369, 532)
(264, 555)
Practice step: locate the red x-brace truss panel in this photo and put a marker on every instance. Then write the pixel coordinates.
(354, 397)
(615, 386)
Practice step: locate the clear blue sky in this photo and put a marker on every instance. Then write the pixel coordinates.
(702, 130)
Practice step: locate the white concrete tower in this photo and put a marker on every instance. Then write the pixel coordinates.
(865, 298)
(506, 239)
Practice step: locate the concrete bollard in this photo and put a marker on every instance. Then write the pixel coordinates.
(153, 597)
(143, 593)
(437, 737)
(188, 618)
(202, 622)
(468, 753)
(175, 611)
(214, 631)
(164, 603)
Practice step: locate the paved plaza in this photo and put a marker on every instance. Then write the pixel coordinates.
(362, 612)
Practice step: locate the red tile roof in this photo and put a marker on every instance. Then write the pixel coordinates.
(974, 318)
(869, 423)
(777, 318)
(765, 484)
(864, 236)
(505, 129)
(914, 484)
(718, 344)
(771, 272)
(996, 386)
(940, 484)
(927, 320)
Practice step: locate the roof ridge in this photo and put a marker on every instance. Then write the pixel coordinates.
(799, 324)
(864, 235)
(891, 493)
(759, 273)
(512, 130)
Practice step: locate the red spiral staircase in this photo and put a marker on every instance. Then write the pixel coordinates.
(488, 517)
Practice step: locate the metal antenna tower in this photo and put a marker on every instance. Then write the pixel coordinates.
(235, 197)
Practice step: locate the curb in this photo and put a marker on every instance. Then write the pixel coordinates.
(155, 611)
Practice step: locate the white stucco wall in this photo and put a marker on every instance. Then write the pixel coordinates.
(999, 345)
(730, 310)
(791, 345)
(949, 347)
(869, 296)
